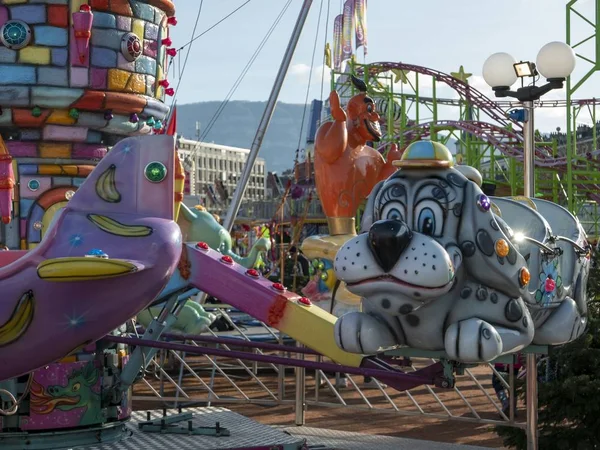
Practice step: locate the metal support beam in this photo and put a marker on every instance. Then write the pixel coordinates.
(300, 405)
(529, 150)
(265, 120)
(529, 191)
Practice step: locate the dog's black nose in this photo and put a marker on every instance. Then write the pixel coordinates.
(387, 241)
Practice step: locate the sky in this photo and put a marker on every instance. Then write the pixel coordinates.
(438, 34)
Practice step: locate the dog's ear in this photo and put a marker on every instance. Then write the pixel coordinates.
(369, 215)
(488, 253)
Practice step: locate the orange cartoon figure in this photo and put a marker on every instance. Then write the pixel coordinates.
(346, 169)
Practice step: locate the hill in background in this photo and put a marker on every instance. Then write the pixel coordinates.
(237, 124)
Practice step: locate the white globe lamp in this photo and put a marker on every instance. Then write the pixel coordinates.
(555, 61)
(499, 72)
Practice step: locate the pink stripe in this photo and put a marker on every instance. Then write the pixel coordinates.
(88, 151)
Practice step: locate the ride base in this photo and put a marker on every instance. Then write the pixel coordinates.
(199, 432)
(186, 429)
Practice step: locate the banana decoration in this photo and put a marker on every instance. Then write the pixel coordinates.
(80, 268)
(106, 186)
(19, 321)
(117, 228)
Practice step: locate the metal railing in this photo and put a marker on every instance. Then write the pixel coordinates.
(174, 379)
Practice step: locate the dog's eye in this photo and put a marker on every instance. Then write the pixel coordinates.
(429, 218)
(427, 222)
(393, 211)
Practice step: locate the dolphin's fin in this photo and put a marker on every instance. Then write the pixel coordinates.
(86, 268)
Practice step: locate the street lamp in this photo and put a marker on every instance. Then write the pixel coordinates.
(555, 61)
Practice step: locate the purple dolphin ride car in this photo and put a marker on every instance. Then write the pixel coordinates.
(104, 258)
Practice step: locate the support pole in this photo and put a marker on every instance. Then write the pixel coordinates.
(529, 151)
(265, 120)
(532, 402)
(529, 191)
(300, 404)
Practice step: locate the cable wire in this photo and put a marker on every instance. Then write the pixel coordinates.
(214, 25)
(240, 78)
(312, 65)
(182, 69)
(244, 72)
(325, 45)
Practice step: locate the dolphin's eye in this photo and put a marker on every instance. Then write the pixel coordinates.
(155, 172)
(429, 218)
(370, 107)
(393, 211)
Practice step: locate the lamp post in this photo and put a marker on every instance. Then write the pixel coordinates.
(555, 61)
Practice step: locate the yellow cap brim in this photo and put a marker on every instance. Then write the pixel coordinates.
(422, 164)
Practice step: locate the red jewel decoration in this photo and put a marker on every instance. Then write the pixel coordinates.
(172, 52)
(163, 83)
(170, 91)
(253, 273)
(304, 301)
(550, 285)
(227, 259)
(278, 287)
(202, 245)
(172, 20)
(134, 46)
(85, 8)
(167, 42)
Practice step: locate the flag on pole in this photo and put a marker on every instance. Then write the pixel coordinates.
(360, 18)
(179, 186)
(7, 183)
(337, 43)
(347, 29)
(172, 126)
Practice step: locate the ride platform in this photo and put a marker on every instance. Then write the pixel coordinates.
(241, 433)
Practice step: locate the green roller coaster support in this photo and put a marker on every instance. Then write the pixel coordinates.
(409, 107)
(586, 24)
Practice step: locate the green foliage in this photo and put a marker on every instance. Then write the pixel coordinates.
(569, 410)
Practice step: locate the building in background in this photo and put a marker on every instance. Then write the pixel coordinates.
(214, 171)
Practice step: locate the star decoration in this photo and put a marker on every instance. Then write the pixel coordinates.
(461, 75)
(400, 75)
(74, 321)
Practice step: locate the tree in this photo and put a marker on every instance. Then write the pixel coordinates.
(569, 410)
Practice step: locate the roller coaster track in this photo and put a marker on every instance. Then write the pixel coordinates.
(507, 141)
(491, 108)
(504, 104)
(469, 93)
(502, 139)
(507, 138)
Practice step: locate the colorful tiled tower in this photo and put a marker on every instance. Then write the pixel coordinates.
(76, 76)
